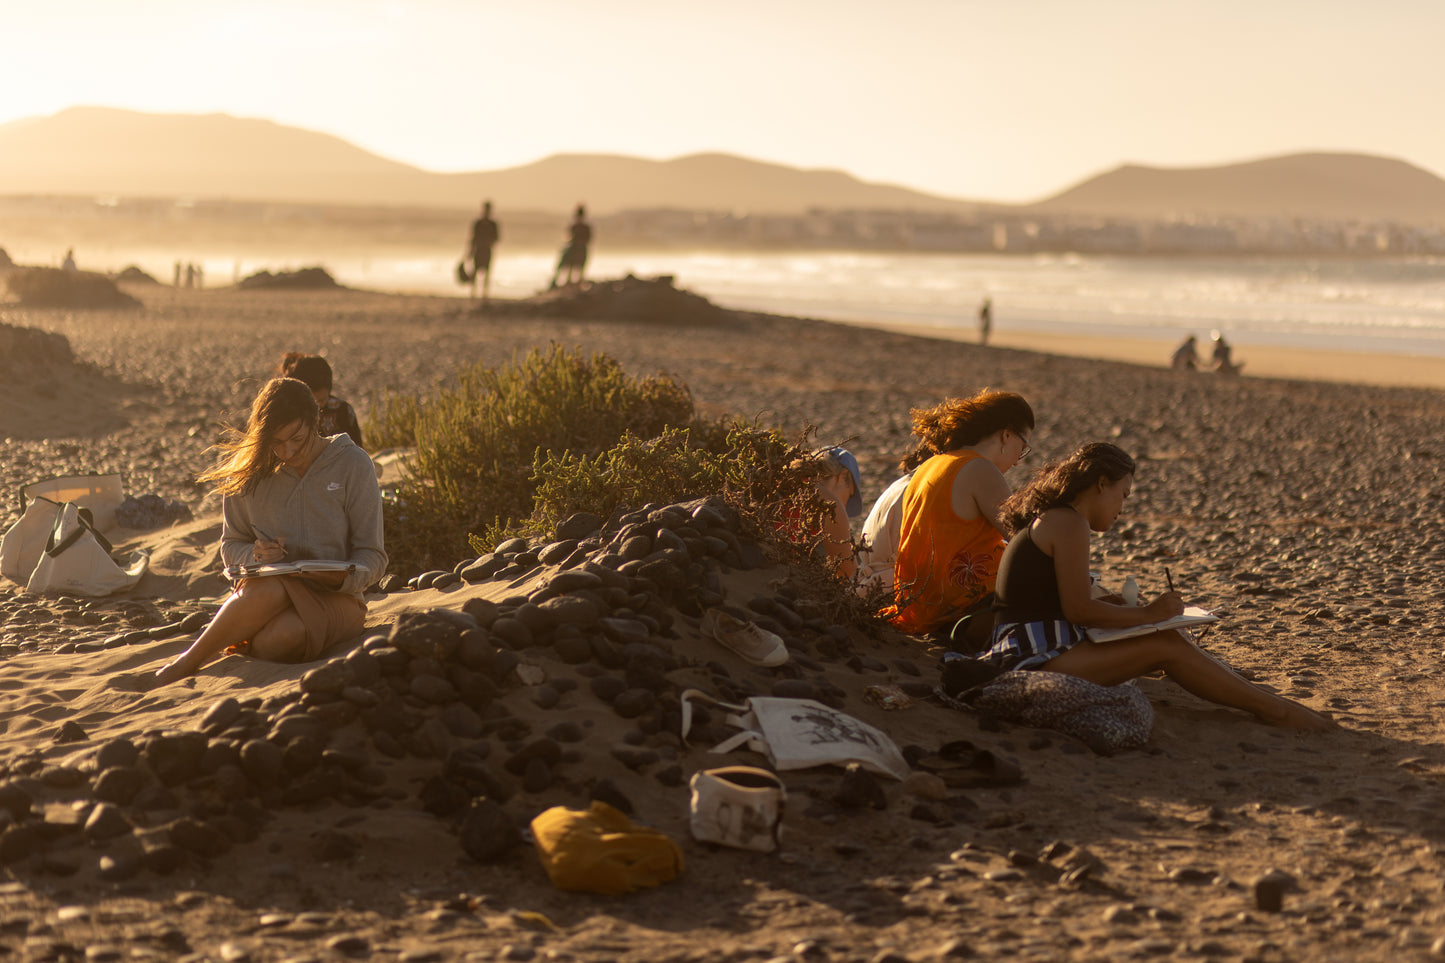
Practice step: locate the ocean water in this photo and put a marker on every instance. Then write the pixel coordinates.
(1383, 305)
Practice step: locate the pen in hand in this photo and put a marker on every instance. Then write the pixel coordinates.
(1168, 578)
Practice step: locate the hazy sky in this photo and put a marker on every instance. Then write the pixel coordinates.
(989, 99)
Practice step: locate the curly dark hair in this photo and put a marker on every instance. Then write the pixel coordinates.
(1058, 483)
(960, 422)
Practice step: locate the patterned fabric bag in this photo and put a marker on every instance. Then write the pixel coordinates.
(1105, 718)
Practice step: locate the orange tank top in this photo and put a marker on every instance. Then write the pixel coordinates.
(945, 564)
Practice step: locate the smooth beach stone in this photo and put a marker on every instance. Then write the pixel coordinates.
(607, 687)
(511, 546)
(106, 822)
(570, 609)
(262, 761)
(564, 582)
(120, 784)
(329, 677)
(484, 568)
(556, 551)
(487, 831)
(605, 790)
(512, 632)
(578, 525)
(482, 611)
(175, 755)
(433, 689)
(632, 703)
(445, 581)
(573, 650)
(221, 714)
(195, 622)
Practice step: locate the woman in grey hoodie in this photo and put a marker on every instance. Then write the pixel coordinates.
(289, 495)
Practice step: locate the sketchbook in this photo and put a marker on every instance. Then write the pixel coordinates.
(234, 572)
(1192, 615)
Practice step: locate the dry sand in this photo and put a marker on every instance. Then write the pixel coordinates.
(1307, 513)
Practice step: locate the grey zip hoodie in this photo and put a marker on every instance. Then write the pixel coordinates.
(333, 512)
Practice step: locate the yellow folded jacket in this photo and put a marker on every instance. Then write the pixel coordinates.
(599, 850)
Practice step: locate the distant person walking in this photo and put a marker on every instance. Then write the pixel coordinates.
(484, 235)
(69, 263)
(1186, 356)
(574, 255)
(985, 320)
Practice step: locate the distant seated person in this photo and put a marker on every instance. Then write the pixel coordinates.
(1223, 361)
(1186, 356)
(881, 533)
(335, 416)
(834, 473)
(952, 538)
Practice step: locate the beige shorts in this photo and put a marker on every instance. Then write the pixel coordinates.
(328, 617)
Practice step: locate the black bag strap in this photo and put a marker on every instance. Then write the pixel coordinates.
(54, 548)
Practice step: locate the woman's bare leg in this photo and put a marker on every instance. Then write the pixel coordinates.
(254, 604)
(283, 639)
(1113, 663)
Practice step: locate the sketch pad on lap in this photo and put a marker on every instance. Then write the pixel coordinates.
(1193, 615)
(237, 572)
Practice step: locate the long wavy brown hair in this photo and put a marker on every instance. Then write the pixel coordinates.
(246, 456)
(1058, 483)
(960, 422)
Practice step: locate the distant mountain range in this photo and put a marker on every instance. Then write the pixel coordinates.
(1315, 186)
(94, 150)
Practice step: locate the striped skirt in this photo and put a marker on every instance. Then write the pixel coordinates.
(1028, 645)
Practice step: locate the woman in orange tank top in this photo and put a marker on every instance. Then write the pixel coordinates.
(952, 538)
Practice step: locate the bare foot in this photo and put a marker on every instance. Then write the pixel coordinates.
(1295, 716)
(170, 672)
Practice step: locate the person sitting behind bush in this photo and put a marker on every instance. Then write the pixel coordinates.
(335, 416)
(834, 473)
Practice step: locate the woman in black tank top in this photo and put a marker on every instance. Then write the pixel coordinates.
(1045, 600)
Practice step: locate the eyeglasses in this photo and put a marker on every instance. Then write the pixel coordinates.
(1025, 453)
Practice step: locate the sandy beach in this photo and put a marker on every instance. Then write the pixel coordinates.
(1302, 502)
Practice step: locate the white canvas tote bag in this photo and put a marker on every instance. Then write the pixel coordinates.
(801, 733)
(77, 561)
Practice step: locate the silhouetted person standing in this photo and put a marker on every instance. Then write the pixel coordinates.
(1186, 356)
(574, 255)
(985, 320)
(484, 235)
(69, 263)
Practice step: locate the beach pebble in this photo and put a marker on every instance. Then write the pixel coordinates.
(487, 832)
(606, 791)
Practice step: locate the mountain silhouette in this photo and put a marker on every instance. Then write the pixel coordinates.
(1318, 186)
(98, 150)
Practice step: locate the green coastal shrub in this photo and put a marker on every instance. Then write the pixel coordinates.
(745, 464)
(476, 442)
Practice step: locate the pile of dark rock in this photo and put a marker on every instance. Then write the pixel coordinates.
(134, 275)
(46, 287)
(151, 511)
(25, 350)
(441, 688)
(306, 279)
(650, 301)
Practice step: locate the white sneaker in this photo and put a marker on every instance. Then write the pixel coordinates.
(753, 643)
(738, 806)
